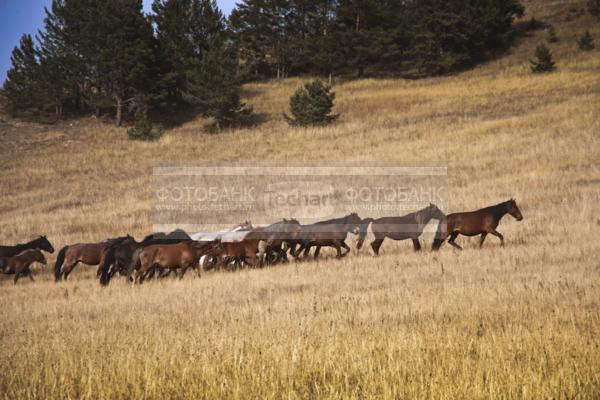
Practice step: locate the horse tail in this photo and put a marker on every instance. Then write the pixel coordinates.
(59, 262)
(363, 231)
(440, 235)
(107, 260)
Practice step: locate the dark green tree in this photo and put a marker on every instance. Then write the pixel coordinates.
(586, 42)
(214, 88)
(543, 60)
(22, 85)
(142, 128)
(126, 51)
(312, 105)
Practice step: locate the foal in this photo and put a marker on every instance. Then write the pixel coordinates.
(19, 264)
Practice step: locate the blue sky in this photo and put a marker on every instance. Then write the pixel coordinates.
(27, 16)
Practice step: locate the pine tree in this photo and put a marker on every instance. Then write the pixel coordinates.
(22, 81)
(312, 105)
(543, 61)
(142, 128)
(126, 53)
(172, 20)
(214, 88)
(551, 36)
(586, 42)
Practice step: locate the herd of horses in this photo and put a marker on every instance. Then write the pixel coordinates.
(159, 254)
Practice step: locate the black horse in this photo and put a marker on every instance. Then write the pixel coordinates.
(40, 243)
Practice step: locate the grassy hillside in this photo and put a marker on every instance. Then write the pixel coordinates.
(514, 322)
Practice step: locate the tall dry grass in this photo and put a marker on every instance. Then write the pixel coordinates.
(513, 322)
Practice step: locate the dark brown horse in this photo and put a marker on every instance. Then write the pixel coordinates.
(40, 243)
(331, 233)
(19, 264)
(250, 250)
(181, 256)
(86, 253)
(118, 256)
(481, 222)
(409, 226)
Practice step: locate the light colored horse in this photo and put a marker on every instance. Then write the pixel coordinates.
(234, 234)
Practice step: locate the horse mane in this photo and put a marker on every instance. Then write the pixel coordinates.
(497, 209)
(336, 220)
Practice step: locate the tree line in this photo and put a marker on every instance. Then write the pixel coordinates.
(109, 57)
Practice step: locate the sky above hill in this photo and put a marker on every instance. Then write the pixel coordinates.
(27, 16)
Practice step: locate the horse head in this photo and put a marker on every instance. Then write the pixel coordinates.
(514, 210)
(44, 244)
(435, 212)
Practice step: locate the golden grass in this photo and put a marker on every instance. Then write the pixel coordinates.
(514, 322)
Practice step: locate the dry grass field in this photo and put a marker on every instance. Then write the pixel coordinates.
(496, 323)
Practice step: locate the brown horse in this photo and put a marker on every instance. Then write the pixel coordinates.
(473, 223)
(251, 249)
(409, 226)
(86, 253)
(118, 256)
(331, 233)
(40, 243)
(19, 264)
(182, 256)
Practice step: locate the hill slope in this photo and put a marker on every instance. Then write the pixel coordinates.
(519, 321)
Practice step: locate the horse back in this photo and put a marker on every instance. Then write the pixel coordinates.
(470, 223)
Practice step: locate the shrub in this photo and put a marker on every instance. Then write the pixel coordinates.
(311, 105)
(586, 42)
(142, 128)
(543, 61)
(551, 36)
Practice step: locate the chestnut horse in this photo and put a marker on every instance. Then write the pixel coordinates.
(40, 243)
(19, 264)
(409, 226)
(473, 223)
(87, 253)
(332, 233)
(182, 256)
(118, 256)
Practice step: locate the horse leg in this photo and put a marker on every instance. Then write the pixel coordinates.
(499, 235)
(482, 238)
(416, 244)
(452, 239)
(376, 244)
(338, 249)
(28, 271)
(183, 271)
(317, 251)
(68, 270)
(17, 276)
(345, 246)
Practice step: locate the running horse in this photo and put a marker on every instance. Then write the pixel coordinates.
(331, 233)
(86, 253)
(169, 257)
(481, 222)
(40, 243)
(19, 264)
(409, 226)
(118, 256)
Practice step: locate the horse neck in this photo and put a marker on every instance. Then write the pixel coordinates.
(498, 211)
(421, 220)
(25, 246)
